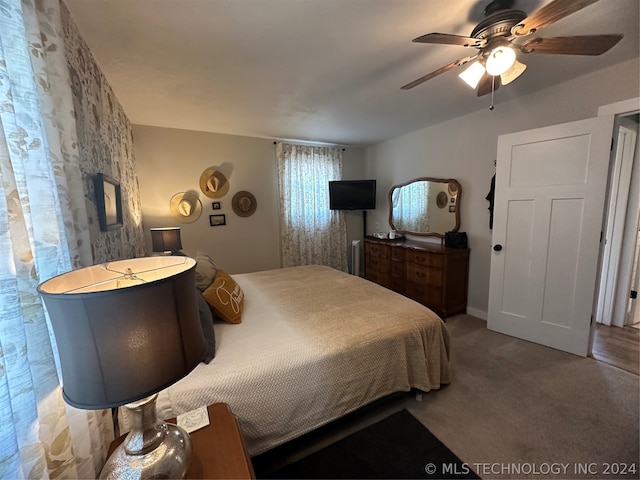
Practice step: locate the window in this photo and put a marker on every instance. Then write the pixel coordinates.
(311, 234)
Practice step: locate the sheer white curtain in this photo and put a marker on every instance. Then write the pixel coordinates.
(43, 232)
(310, 233)
(411, 207)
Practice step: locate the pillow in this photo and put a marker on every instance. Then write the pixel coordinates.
(206, 319)
(206, 271)
(226, 297)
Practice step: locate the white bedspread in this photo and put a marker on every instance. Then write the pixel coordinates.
(313, 345)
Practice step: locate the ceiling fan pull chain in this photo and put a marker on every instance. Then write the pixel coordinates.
(493, 84)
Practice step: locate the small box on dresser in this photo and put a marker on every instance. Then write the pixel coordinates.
(428, 273)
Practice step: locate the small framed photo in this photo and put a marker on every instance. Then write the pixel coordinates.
(452, 208)
(215, 205)
(109, 202)
(453, 199)
(217, 220)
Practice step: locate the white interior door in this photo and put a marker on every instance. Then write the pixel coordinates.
(549, 201)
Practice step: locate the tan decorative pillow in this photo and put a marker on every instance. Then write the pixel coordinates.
(226, 297)
(206, 271)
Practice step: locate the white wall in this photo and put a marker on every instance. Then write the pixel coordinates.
(465, 149)
(171, 161)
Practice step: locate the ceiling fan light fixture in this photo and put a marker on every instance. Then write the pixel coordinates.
(514, 72)
(473, 74)
(500, 60)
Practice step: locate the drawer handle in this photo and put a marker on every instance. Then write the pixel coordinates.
(421, 259)
(420, 275)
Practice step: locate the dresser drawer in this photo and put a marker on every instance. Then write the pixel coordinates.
(377, 250)
(425, 258)
(429, 296)
(378, 264)
(398, 254)
(397, 269)
(398, 284)
(383, 279)
(427, 276)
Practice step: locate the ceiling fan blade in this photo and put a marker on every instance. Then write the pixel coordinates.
(580, 45)
(447, 39)
(435, 73)
(487, 84)
(550, 13)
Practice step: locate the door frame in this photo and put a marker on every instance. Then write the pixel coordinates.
(625, 107)
(612, 286)
(621, 108)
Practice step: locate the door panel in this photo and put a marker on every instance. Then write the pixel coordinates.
(562, 263)
(549, 199)
(531, 163)
(519, 237)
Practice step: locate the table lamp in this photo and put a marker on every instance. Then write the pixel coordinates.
(166, 240)
(126, 330)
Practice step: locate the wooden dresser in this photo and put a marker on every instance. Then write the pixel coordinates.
(431, 274)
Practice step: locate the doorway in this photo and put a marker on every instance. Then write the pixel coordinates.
(620, 226)
(616, 336)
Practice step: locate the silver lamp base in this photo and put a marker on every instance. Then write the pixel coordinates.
(152, 449)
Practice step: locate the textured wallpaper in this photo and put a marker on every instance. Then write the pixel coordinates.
(106, 146)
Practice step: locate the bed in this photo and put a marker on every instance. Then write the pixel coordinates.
(314, 344)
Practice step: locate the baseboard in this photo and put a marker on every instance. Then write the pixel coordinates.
(477, 313)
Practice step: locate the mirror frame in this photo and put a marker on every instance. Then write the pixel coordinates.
(429, 179)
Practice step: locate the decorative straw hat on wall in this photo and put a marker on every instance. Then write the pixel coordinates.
(244, 204)
(185, 207)
(213, 183)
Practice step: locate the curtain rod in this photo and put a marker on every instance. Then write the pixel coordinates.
(315, 144)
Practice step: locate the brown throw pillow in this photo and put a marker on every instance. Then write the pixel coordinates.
(226, 298)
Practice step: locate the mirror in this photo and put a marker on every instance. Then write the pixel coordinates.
(425, 206)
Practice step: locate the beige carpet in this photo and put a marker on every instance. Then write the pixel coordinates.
(516, 410)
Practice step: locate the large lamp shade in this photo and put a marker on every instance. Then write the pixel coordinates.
(125, 330)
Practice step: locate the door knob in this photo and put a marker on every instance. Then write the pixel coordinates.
(497, 247)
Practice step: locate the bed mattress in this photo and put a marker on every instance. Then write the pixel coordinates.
(314, 344)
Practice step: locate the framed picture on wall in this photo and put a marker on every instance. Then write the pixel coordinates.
(215, 205)
(109, 202)
(217, 220)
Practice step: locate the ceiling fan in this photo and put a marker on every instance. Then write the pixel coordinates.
(500, 36)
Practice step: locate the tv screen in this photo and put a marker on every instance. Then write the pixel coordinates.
(352, 195)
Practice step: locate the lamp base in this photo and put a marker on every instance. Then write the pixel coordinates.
(152, 449)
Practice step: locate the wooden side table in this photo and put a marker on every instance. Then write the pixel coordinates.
(219, 450)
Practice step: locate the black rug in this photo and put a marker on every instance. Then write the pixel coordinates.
(398, 446)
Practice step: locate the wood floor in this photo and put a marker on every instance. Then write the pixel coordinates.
(617, 346)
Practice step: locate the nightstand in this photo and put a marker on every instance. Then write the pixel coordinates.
(219, 450)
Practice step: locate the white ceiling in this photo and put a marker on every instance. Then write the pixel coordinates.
(314, 70)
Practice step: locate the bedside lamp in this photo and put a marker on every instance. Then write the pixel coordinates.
(166, 240)
(126, 330)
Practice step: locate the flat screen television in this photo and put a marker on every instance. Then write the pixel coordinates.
(352, 195)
